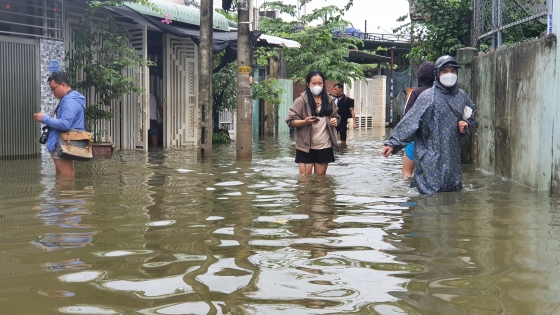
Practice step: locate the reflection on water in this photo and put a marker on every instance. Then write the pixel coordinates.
(160, 233)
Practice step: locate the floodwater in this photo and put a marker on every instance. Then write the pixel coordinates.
(159, 233)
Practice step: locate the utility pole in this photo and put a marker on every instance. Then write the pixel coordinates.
(204, 141)
(244, 130)
(391, 95)
(549, 19)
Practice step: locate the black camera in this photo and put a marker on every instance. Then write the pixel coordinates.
(44, 134)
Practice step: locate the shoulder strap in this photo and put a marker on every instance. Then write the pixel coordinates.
(56, 109)
(84, 110)
(458, 115)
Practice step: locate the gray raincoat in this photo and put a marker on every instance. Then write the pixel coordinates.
(432, 123)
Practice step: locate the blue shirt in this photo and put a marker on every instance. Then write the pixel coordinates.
(70, 115)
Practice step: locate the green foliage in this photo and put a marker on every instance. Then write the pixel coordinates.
(224, 83)
(99, 62)
(221, 137)
(319, 50)
(444, 29)
(224, 86)
(268, 91)
(514, 12)
(229, 15)
(96, 4)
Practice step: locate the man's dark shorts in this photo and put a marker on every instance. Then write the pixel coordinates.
(54, 154)
(154, 128)
(315, 156)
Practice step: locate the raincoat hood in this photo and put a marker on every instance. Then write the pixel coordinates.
(446, 90)
(426, 74)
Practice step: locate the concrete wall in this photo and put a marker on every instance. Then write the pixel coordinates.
(554, 84)
(369, 101)
(379, 101)
(514, 92)
(50, 50)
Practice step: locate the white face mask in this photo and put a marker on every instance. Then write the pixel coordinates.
(316, 90)
(448, 79)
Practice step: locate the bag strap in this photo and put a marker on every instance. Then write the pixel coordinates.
(83, 109)
(56, 109)
(452, 109)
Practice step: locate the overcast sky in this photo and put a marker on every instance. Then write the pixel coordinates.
(378, 13)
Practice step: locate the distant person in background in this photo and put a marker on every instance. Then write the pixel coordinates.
(155, 110)
(345, 110)
(426, 76)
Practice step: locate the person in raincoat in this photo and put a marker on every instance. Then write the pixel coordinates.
(436, 122)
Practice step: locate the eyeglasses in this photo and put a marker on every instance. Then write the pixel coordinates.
(54, 88)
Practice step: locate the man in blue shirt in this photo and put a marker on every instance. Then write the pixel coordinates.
(69, 115)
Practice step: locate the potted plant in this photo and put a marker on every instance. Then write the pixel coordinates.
(98, 64)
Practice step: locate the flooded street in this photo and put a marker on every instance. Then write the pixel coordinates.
(159, 233)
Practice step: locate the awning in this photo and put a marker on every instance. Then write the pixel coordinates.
(277, 41)
(221, 40)
(362, 57)
(179, 13)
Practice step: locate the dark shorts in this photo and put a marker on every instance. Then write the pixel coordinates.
(342, 128)
(315, 156)
(54, 154)
(154, 128)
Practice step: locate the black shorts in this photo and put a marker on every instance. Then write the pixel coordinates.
(154, 128)
(322, 156)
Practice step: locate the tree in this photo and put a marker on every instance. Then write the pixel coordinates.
(225, 84)
(100, 58)
(224, 94)
(320, 49)
(443, 28)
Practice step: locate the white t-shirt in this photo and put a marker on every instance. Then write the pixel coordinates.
(153, 107)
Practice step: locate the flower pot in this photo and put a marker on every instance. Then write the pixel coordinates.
(102, 149)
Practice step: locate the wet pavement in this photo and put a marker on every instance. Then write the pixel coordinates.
(160, 233)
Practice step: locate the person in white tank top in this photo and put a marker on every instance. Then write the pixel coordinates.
(155, 110)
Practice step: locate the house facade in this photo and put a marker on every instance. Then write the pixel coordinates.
(37, 35)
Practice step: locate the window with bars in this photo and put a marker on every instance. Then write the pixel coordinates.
(31, 18)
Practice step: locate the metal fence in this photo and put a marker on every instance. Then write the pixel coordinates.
(32, 18)
(19, 98)
(496, 22)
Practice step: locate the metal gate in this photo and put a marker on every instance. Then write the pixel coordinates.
(134, 115)
(128, 127)
(287, 99)
(180, 91)
(19, 97)
(369, 101)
